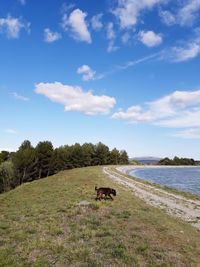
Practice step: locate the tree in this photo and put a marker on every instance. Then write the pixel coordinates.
(44, 153)
(61, 159)
(165, 161)
(177, 161)
(124, 157)
(77, 156)
(6, 176)
(88, 150)
(101, 155)
(4, 155)
(29, 163)
(114, 158)
(25, 163)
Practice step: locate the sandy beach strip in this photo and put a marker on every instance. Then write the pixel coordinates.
(126, 169)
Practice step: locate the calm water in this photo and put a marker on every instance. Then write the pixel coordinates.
(184, 179)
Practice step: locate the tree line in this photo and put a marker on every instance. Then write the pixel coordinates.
(178, 161)
(29, 163)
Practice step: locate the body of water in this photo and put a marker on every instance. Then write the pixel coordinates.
(183, 178)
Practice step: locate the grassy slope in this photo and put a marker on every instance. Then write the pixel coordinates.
(41, 225)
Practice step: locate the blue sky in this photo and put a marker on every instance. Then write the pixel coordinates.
(123, 72)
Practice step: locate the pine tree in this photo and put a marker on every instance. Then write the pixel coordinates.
(101, 156)
(114, 158)
(124, 157)
(44, 153)
(25, 163)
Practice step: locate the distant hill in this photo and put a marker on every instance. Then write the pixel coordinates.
(147, 160)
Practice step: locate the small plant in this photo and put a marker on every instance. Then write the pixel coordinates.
(94, 206)
(143, 249)
(125, 214)
(119, 251)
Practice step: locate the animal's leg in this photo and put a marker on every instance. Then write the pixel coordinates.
(97, 197)
(110, 197)
(101, 196)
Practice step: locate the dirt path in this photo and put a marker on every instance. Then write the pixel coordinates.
(176, 205)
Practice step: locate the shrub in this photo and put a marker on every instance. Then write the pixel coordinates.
(6, 176)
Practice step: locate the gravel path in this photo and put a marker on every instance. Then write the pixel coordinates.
(176, 205)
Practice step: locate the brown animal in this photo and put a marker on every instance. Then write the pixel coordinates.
(104, 191)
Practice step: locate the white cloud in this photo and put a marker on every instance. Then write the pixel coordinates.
(180, 54)
(189, 133)
(185, 15)
(74, 98)
(167, 17)
(13, 26)
(19, 97)
(77, 24)
(50, 36)
(185, 50)
(64, 23)
(110, 31)
(96, 22)
(133, 114)
(111, 37)
(88, 73)
(150, 38)
(189, 12)
(184, 119)
(128, 11)
(181, 109)
(10, 131)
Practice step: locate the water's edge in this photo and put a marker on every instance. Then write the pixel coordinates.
(181, 178)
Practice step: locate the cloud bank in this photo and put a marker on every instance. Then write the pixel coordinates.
(74, 98)
(181, 109)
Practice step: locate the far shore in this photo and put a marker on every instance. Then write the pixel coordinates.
(128, 168)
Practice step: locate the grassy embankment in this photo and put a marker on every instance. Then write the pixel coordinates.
(42, 225)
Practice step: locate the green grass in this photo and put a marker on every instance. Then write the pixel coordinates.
(41, 224)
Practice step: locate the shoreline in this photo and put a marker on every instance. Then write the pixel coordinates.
(179, 206)
(131, 171)
(128, 168)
